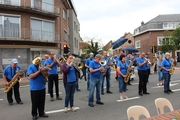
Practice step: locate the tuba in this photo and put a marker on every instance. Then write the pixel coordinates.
(129, 73)
(172, 68)
(14, 80)
(37, 61)
(78, 65)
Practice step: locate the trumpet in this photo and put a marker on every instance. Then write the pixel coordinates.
(149, 63)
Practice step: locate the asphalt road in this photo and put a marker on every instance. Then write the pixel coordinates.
(111, 110)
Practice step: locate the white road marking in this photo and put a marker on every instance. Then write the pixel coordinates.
(132, 98)
(54, 93)
(134, 83)
(1, 99)
(61, 110)
(175, 81)
(163, 85)
(24, 86)
(176, 90)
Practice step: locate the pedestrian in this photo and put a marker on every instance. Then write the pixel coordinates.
(9, 72)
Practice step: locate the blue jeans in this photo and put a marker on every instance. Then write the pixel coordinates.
(88, 80)
(94, 82)
(70, 90)
(122, 84)
(160, 76)
(107, 76)
(167, 78)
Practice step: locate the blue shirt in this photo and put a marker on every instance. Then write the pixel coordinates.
(88, 61)
(167, 64)
(123, 67)
(95, 65)
(37, 83)
(141, 60)
(107, 59)
(43, 63)
(117, 59)
(9, 72)
(53, 68)
(71, 76)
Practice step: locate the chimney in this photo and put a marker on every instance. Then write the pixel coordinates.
(142, 23)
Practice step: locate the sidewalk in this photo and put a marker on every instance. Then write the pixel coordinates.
(24, 81)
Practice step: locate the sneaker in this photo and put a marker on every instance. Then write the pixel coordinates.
(59, 98)
(121, 98)
(73, 109)
(126, 97)
(65, 109)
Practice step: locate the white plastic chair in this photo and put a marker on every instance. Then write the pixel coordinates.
(136, 111)
(161, 103)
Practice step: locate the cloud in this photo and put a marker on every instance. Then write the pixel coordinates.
(110, 19)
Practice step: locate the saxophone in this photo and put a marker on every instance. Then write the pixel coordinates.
(129, 73)
(14, 80)
(37, 61)
(172, 68)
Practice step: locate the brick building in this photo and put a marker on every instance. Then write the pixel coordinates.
(31, 27)
(129, 36)
(152, 32)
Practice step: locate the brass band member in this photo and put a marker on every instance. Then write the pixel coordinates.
(8, 74)
(122, 70)
(166, 65)
(70, 78)
(95, 74)
(107, 75)
(142, 73)
(43, 63)
(159, 70)
(148, 68)
(37, 89)
(53, 77)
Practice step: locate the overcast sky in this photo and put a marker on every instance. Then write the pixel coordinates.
(110, 19)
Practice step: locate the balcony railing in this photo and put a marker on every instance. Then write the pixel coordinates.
(28, 35)
(33, 4)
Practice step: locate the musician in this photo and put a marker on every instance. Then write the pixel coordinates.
(53, 77)
(165, 66)
(84, 69)
(70, 79)
(117, 60)
(148, 67)
(91, 55)
(43, 62)
(159, 70)
(122, 70)
(142, 73)
(37, 90)
(8, 74)
(128, 59)
(107, 74)
(95, 70)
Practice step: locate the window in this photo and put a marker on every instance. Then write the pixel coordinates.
(137, 44)
(65, 35)
(9, 26)
(42, 30)
(167, 25)
(10, 2)
(136, 31)
(64, 14)
(45, 5)
(176, 25)
(161, 39)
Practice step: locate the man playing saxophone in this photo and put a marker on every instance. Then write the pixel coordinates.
(37, 88)
(9, 73)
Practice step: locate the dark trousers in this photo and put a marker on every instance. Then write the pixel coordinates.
(38, 102)
(148, 73)
(84, 74)
(70, 90)
(16, 94)
(107, 76)
(53, 78)
(142, 81)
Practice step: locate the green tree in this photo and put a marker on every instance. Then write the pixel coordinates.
(94, 47)
(168, 44)
(176, 37)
